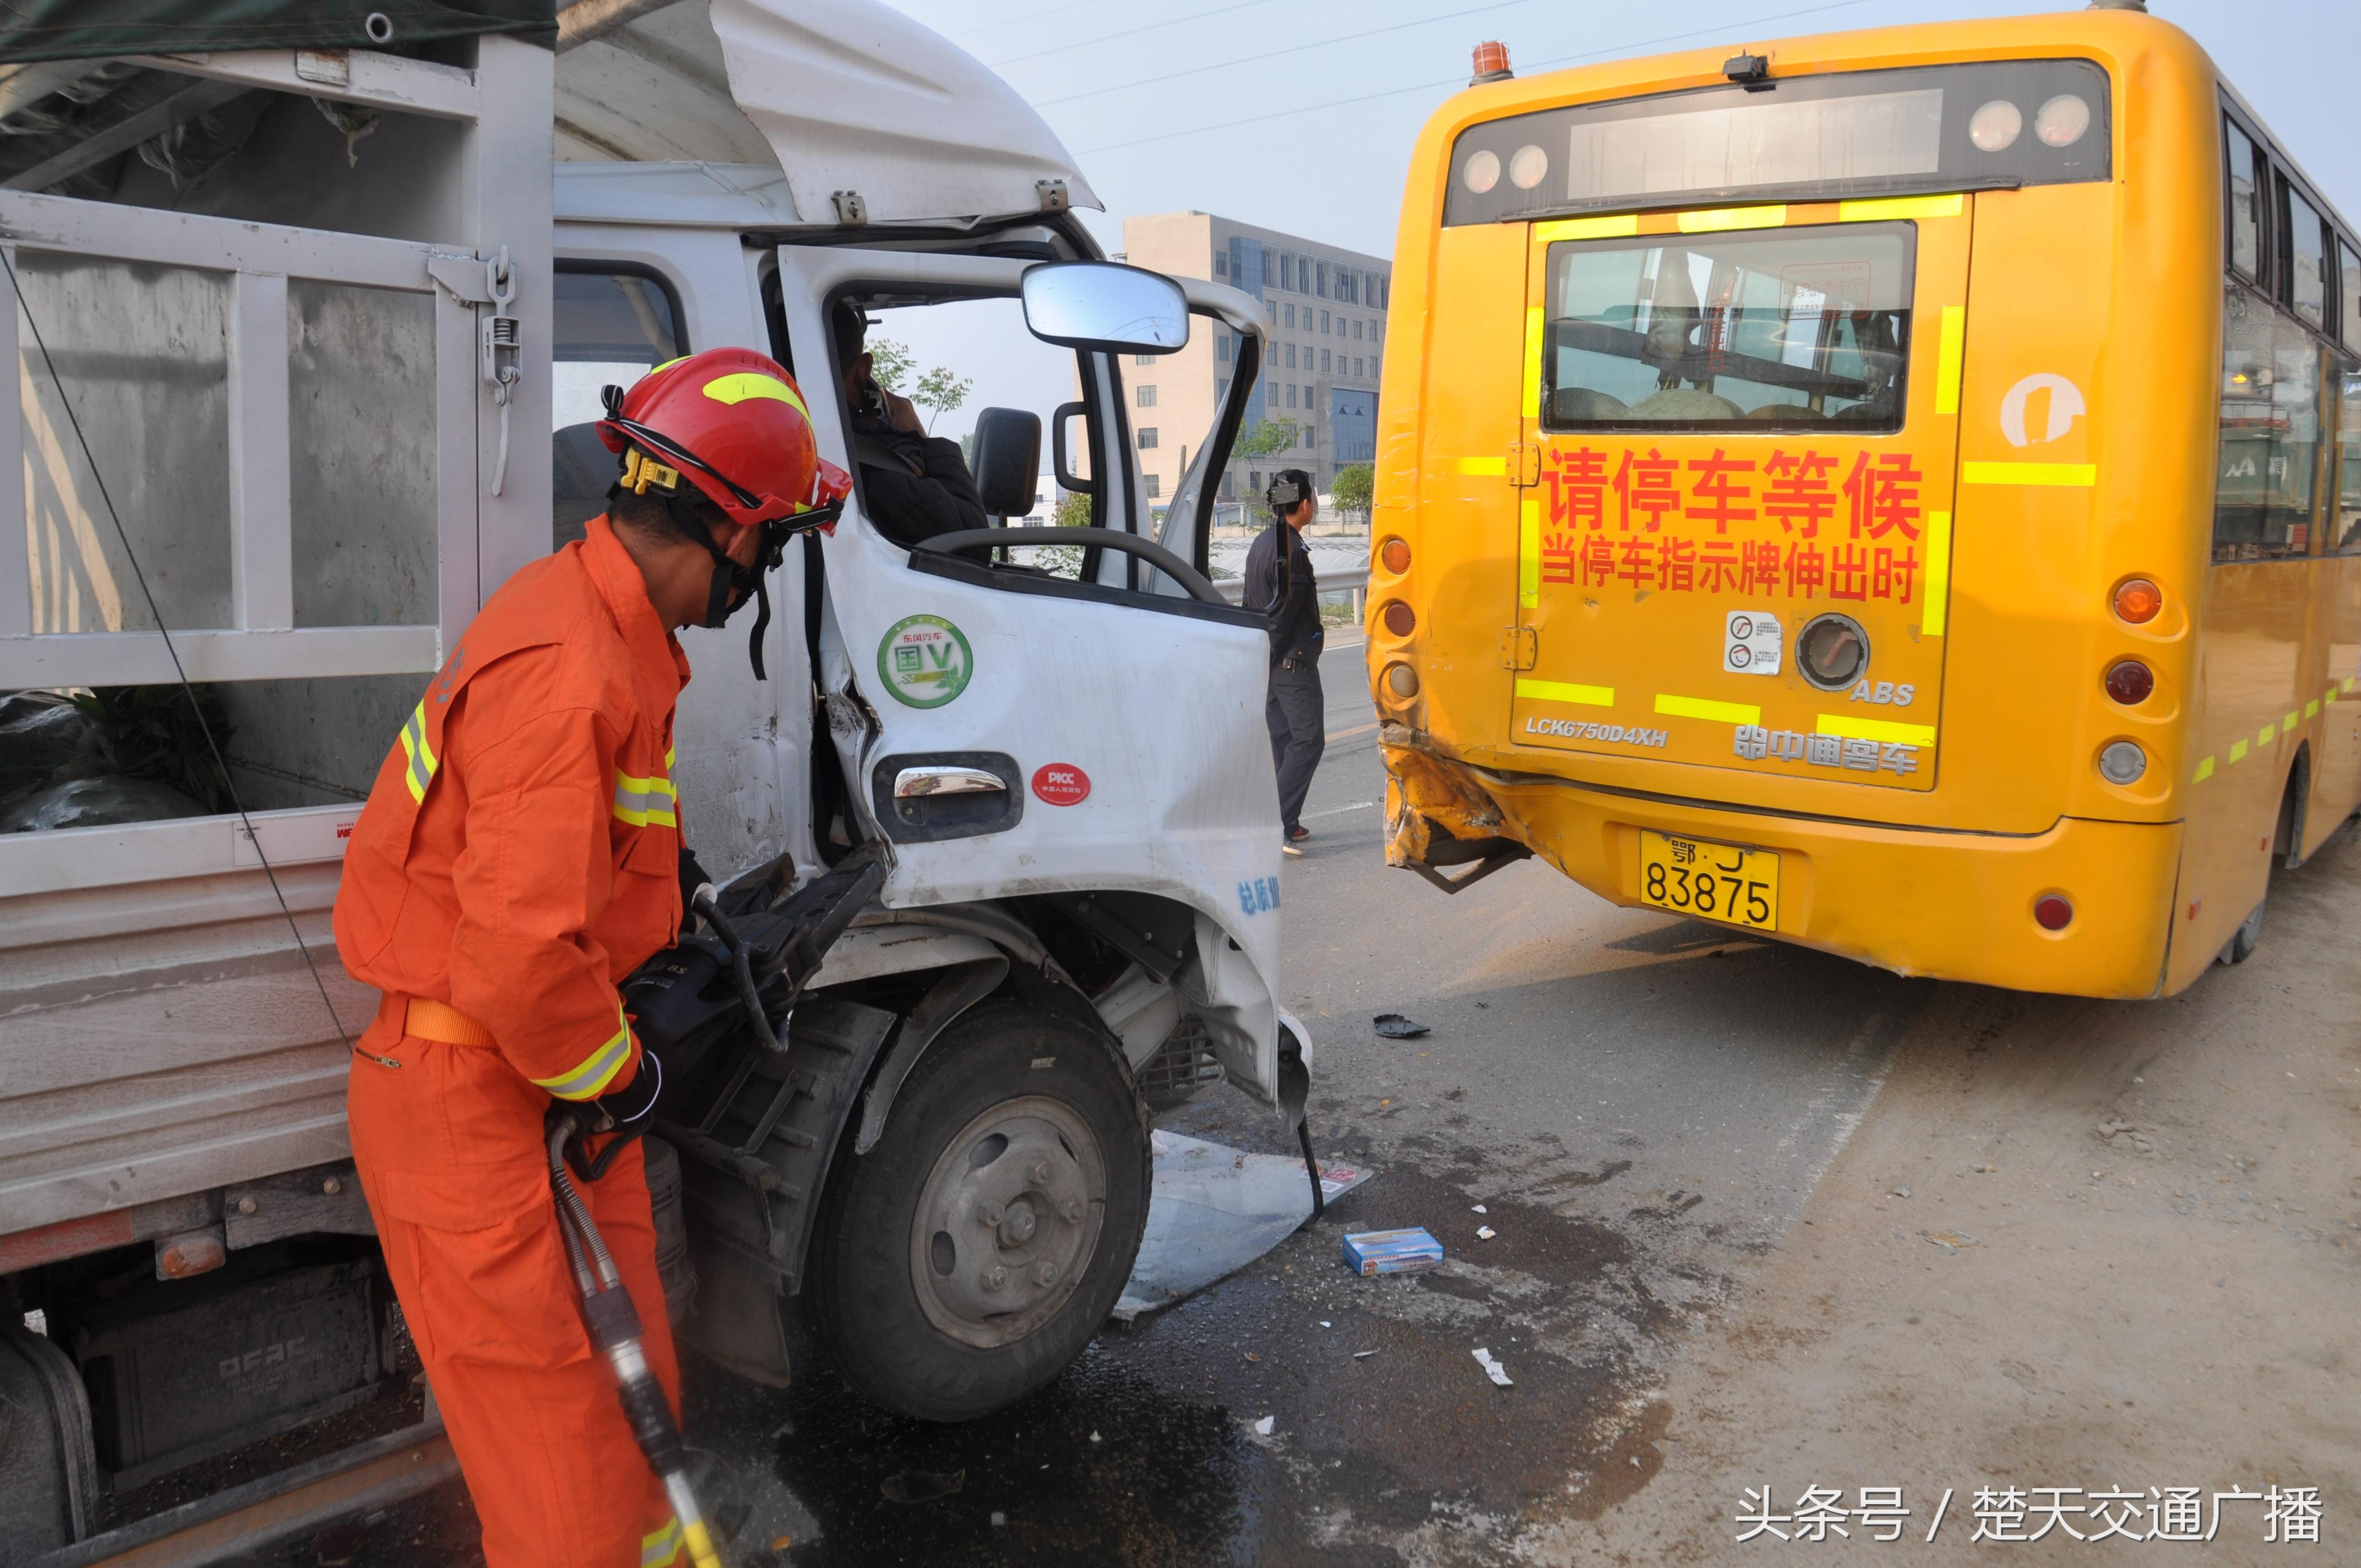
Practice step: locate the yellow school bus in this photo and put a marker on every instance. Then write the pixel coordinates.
(1898, 493)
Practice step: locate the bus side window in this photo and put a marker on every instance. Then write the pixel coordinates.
(2303, 255)
(2348, 279)
(2245, 203)
(2270, 432)
(2348, 457)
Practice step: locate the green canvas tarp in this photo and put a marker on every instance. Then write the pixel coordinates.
(83, 29)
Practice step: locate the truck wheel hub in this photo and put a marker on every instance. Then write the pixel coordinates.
(1007, 1222)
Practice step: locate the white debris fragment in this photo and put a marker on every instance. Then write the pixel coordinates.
(1492, 1368)
(1480, 1209)
(1262, 1427)
(1485, 1233)
(1359, 1353)
(1323, 1322)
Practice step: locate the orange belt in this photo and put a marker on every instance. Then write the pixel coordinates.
(430, 1020)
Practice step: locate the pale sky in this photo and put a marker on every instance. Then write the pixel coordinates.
(1332, 97)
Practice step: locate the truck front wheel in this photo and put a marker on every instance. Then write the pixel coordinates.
(969, 1255)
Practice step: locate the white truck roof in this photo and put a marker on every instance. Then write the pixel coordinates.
(841, 95)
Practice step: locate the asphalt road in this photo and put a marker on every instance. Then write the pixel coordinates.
(1642, 1104)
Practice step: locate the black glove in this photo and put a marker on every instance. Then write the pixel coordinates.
(626, 1113)
(692, 877)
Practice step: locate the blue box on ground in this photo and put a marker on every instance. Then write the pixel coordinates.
(1392, 1252)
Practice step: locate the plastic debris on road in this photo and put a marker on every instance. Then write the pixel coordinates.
(1485, 1233)
(1392, 1252)
(1480, 1209)
(1262, 1427)
(1951, 1240)
(1213, 1210)
(1492, 1367)
(1394, 1026)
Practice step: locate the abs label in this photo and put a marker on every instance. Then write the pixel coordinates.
(1884, 692)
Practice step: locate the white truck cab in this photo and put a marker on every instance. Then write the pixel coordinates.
(309, 361)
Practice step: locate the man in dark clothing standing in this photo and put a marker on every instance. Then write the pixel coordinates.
(1279, 584)
(912, 486)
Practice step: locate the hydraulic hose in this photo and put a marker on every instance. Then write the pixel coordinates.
(615, 1327)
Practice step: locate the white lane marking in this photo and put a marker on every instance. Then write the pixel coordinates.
(1339, 810)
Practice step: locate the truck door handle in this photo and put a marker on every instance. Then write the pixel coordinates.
(938, 779)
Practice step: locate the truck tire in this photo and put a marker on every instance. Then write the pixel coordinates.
(970, 1255)
(2248, 937)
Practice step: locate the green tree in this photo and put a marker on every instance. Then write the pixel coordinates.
(940, 390)
(890, 362)
(1073, 509)
(1265, 438)
(1352, 488)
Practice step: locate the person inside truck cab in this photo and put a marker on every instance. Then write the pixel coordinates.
(519, 856)
(912, 486)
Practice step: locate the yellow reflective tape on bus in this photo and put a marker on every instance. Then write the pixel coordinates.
(1529, 553)
(1950, 359)
(2287, 725)
(1567, 691)
(2204, 771)
(1718, 220)
(1939, 573)
(2312, 709)
(2237, 750)
(1620, 228)
(2266, 735)
(2079, 475)
(1533, 362)
(1884, 207)
(1485, 467)
(1704, 707)
(1856, 729)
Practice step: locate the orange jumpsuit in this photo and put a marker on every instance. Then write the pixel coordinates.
(518, 858)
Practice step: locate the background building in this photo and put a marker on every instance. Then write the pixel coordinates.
(1326, 309)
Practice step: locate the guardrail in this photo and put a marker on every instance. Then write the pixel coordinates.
(1355, 582)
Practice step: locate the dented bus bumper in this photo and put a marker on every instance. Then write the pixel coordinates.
(1950, 906)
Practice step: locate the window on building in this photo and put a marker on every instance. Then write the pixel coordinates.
(1155, 484)
(1310, 435)
(1143, 359)
(1289, 351)
(1307, 397)
(1356, 368)
(1254, 480)
(1287, 315)
(1291, 394)
(1324, 321)
(1221, 265)
(1221, 388)
(1356, 329)
(1222, 348)
(1373, 367)
(1320, 277)
(1148, 397)
(2245, 203)
(2305, 254)
(1270, 394)
(1148, 438)
(1323, 361)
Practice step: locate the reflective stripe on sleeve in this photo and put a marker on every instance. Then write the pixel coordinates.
(642, 801)
(589, 1081)
(660, 1548)
(422, 761)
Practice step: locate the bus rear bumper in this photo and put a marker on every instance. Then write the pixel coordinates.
(1952, 905)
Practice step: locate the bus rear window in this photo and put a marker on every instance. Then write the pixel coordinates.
(1781, 329)
(1862, 133)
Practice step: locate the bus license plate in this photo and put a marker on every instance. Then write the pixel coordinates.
(1714, 882)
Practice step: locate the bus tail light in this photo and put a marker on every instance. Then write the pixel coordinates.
(1401, 681)
(2129, 682)
(1394, 553)
(2137, 600)
(2052, 912)
(2122, 762)
(1398, 619)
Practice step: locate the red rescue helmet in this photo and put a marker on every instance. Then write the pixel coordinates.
(731, 423)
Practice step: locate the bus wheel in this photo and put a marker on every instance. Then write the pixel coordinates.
(2242, 941)
(972, 1253)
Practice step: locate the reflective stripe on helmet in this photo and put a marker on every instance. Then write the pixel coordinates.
(744, 384)
(422, 761)
(589, 1079)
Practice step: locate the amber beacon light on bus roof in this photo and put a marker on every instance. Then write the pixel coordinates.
(1812, 497)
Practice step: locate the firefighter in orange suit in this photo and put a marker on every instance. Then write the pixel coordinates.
(519, 855)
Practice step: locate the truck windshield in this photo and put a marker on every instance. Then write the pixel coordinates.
(1782, 329)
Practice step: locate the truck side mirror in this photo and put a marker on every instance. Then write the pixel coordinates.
(1105, 306)
(1008, 460)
